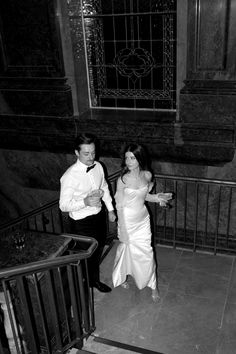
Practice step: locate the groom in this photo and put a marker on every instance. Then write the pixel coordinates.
(86, 214)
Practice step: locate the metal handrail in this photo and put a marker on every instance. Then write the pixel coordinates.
(52, 262)
(192, 222)
(201, 216)
(71, 267)
(26, 283)
(22, 218)
(194, 179)
(41, 209)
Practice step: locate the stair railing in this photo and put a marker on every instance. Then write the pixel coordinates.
(47, 218)
(48, 305)
(201, 217)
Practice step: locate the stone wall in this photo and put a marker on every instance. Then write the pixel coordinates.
(31, 179)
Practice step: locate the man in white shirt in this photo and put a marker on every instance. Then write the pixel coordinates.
(83, 186)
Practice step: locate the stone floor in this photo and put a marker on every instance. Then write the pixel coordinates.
(196, 312)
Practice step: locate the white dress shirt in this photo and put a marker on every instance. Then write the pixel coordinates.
(76, 184)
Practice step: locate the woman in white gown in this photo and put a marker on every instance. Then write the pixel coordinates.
(134, 255)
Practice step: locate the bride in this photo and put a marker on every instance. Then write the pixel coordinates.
(134, 255)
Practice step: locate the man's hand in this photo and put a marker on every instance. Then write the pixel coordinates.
(92, 201)
(111, 216)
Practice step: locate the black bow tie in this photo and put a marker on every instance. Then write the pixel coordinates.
(90, 168)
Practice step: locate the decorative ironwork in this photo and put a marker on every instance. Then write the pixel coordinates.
(130, 47)
(134, 63)
(76, 28)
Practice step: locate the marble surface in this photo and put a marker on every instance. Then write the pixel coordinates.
(196, 312)
(21, 247)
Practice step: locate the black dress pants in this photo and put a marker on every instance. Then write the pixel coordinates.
(92, 226)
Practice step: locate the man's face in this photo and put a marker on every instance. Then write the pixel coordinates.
(86, 155)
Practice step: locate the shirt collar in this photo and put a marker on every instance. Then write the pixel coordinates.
(82, 166)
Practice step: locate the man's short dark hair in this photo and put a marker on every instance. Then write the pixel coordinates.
(84, 138)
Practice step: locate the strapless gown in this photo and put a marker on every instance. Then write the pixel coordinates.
(134, 255)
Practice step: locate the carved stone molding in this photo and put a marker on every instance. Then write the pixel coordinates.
(211, 40)
(207, 102)
(212, 87)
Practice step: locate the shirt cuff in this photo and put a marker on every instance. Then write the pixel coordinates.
(110, 207)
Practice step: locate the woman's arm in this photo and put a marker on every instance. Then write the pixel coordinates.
(148, 177)
(161, 198)
(119, 195)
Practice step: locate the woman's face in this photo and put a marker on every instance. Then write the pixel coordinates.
(131, 161)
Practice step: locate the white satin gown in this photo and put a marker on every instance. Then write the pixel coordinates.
(134, 255)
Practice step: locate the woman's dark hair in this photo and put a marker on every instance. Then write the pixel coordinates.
(84, 138)
(141, 156)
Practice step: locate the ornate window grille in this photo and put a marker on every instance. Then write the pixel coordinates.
(131, 53)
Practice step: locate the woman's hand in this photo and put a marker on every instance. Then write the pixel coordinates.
(161, 198)
(112, 216)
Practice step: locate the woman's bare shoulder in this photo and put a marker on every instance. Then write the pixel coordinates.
(124, 178)
(147, 175)
(121, 180)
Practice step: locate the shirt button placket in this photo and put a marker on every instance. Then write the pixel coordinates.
(92, 181)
